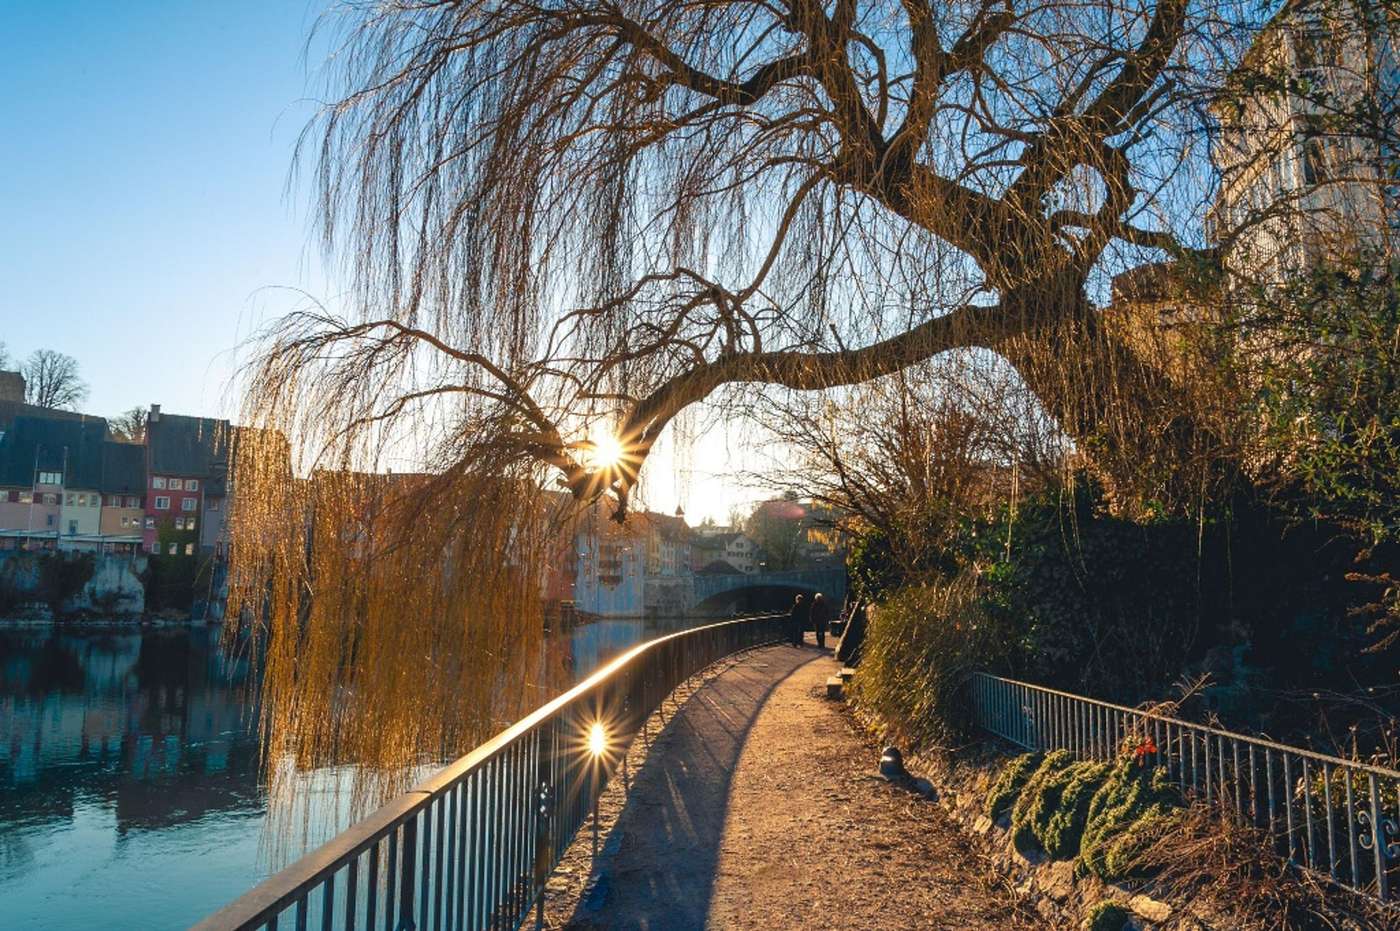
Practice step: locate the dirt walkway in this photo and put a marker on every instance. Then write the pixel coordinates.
(759, 807)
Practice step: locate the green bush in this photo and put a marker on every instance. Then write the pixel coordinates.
(1054, 804)
(921, 645)
(1009, 782)
(1064, 593)
(1039, 798)
(1063, 833)
(1107, 916)
(1133, 807)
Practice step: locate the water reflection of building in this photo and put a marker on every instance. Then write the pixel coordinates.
(157, 725)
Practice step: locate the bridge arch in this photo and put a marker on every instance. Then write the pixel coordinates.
(743, 591)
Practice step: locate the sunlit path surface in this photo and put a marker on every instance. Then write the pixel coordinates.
(759, 807)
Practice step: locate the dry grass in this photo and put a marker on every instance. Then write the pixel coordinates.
(1231, 871)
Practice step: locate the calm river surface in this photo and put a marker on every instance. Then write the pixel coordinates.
(129, 775)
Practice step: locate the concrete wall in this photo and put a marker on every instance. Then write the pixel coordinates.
(115, 589)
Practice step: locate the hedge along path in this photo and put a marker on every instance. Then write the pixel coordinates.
(759, 806)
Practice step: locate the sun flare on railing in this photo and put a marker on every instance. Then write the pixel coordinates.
(597, 739)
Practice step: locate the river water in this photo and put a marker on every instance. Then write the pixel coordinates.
(130, 790)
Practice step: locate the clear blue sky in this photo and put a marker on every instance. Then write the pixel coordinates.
(144, 150)
(145, 227)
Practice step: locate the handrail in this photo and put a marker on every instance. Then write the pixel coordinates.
(1206, 728)
(472, 845)
(1318, 810)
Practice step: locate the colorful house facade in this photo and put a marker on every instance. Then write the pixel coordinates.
(184, 455)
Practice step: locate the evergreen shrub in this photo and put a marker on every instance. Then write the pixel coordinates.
(1135, 805)
(1009, 782)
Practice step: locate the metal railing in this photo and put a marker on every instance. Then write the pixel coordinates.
(473, 846)
(1321, 812)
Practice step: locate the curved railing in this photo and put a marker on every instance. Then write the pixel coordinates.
(473, 846)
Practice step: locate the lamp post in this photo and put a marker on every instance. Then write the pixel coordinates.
(597, 743)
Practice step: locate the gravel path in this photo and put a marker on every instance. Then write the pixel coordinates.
(758, 806)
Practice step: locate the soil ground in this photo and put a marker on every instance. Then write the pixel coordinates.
(755, 803)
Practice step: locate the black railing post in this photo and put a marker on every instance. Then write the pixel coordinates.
(406, 873)
(544, 845)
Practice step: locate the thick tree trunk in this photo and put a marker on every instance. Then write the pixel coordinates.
(1148, 437)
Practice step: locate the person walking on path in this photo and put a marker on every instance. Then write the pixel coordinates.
(821, 618)
(797, 620)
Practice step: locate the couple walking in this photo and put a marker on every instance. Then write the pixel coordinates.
(815, 614)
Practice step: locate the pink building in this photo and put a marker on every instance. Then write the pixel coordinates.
(184, 455)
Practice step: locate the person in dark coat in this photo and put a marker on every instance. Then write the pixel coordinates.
(797, 620)
(821, 618)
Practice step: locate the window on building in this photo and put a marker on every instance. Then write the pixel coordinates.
(150, 523)
(125, 521)
(179, 523)
(154, 547)
(94, 500)
(26, 497)
(72, 527)
(173, 549)
(50, 478)
(176, 485)
(51, 499)
(162, 503)
(212, 504)
(51, 520)
(158, 481)
(189, 504)
(191, 484)
(189, 549)
(131, 502)
(68, 499)
(189, 523)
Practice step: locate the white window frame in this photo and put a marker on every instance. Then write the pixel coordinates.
(189, 504)
(191, 484)
(162, 502)
(158, 481)
(176, 485)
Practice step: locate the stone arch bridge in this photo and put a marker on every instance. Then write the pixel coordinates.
(711, 590)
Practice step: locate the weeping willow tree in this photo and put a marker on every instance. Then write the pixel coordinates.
(564, 223)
